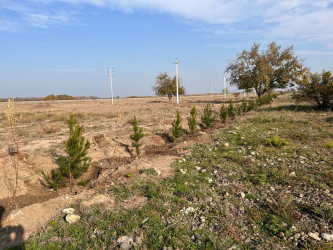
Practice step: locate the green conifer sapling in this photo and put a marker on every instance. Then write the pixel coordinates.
(208, 119)
(177, 129)
(136, 137)
(192, 121)
(223, 113)
(76, 162)
(231, 110)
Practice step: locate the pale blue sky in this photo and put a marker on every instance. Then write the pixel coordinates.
(64, 46)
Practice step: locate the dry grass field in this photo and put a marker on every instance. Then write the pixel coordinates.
(246, 190)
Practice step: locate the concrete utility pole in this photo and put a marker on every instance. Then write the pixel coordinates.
(176, 62)
(110, 74)
(225, 87)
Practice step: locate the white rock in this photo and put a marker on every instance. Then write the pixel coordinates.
(198, 168)
(292, 174)
(326, 236)
(72, 218)
(253, 153)
(226, 144)
(203, 171)
(242, 195)
(158, 172)
(314, 236)
(128, 239)
(189, 210)
(210, 180)
(68, 210)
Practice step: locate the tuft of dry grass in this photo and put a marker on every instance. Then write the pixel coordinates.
(50, 128)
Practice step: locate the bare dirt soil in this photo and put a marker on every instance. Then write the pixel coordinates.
(42, 130)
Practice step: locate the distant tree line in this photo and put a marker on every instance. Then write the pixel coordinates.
(59, 97)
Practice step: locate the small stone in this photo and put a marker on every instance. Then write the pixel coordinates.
(126, 240)
(125, 246)
(326, 236)
(138, 240)
(202, 219)
(242, 195)
(292, 174)
(208, 199)
(272, 189)
(13, 212)
(314, 236)
(68, 210)
(253, 153)
(158, 172)
(144, 220)
(189, 210)
(226, 144)
(72, 218)
(182, 171)
(297, 236)
(284, 224)
(210, 180)
(203, 171)
(198, 168)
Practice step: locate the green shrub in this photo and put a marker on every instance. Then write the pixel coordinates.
(231, 110)
(277, 142)
(239, 109)
(76, 162)
(208, 119)
(329, 144)
(251, 105)
(137, 136)
(223, 113)
(177, 129)
(316, 88)
(192, 121)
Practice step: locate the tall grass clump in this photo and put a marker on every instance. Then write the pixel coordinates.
(76, 162)
(192, 121)
(136, 136)
(207, 118)
(276, 141)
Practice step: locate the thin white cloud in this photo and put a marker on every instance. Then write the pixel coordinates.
(44, 20)
(307, 20)
(8, 26)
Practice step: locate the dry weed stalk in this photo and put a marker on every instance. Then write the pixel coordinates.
(120, 117)
(15, 154)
